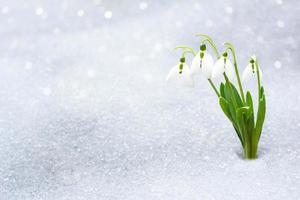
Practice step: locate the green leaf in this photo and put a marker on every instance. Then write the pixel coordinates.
(250, 126)
(241, 122)
(250, 117)
(260, 115)
(262, 92)
(222, 88)
(242, 110)
(250, 104)
(249, 100)
(228, 97)
(224, 105)
(231, 96)
(236, 95)
(226, 109)
(238, 133)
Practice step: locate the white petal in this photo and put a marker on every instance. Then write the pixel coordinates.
(173, 73)
(247, 73)
(195, 67)
(187, 76)
(218, 68)
(207, 65)
(229, 70)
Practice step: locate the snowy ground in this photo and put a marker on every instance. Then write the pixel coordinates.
(85, 112)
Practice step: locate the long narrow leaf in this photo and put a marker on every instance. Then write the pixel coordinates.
(236, 95)
(230, 103)
(250, 104)
(260, 116)
(240, 116)
(222, 88)
(224, 105)
(239, 134)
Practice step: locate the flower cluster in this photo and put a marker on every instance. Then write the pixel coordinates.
(237, 106)
(203, 63)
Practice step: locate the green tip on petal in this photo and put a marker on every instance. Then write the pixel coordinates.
(180, 68)
(201, 55)
(225, 54)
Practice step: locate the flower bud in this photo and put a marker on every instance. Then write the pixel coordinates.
(182, 60)
(202, 47)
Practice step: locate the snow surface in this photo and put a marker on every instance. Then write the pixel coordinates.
(85, 112)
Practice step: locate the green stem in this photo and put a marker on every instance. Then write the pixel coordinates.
(230, 47)
(186, 49)
(214, 87)
(212, 44)
(258, 79)
(250, 151)
(214, 48)
(210, 41)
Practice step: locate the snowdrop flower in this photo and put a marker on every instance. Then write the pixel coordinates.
(181, 72)
(222, 65)
(250, 70)
(202, 61)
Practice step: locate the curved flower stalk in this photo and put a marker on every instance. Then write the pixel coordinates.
(237, 106)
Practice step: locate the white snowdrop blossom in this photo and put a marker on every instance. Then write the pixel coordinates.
(181, 72)
(222, 65)
(202, 61)
(250, 71)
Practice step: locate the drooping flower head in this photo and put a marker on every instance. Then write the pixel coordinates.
(223, 64)
(181, 72)
(203, 61)
(250, 71)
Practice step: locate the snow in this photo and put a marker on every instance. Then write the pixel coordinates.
(86, 114)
